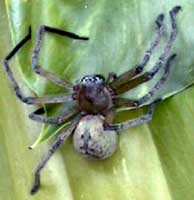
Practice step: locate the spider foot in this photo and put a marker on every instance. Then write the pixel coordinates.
(175, 10)
(173, 56)
(160, 20)
(36, 184)
(35, 187)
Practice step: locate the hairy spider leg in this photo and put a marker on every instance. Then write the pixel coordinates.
(129, 84)
(135, 122)
(123, 78)
(111, 77)
(30, 100)
(37, 68)
(64, 117)
(60, 141)
(132, 104)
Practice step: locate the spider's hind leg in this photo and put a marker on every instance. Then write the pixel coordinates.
(41, 71)
(62, 118)
(60, 141)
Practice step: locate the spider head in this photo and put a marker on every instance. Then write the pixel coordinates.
(91, 86)
(92, 94)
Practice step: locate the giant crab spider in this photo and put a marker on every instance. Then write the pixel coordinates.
(95, 97)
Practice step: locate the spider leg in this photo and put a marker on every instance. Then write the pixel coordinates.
(129, 84)
(61, 140)
(123, 78)
(64, 117)
(132, 104)
(135, 122)
(111, 77)
(29, 100)
(37, 68)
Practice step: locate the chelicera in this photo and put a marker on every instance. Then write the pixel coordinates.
(95, 98)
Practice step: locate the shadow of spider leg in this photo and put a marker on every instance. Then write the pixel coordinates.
(124, 82)
(132, 104)
(60, 98)
(60, 141)
(37, 68)
(64, 117)
(148, 117)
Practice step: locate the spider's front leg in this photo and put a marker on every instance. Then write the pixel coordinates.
(122, 85)
(111, 77)
(121, 102)
(132, 104)
(29, 100)
(61, 140)
(123, 78)
(41, 71)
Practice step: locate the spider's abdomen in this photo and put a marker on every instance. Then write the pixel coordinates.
(92, 141)
(93, 96)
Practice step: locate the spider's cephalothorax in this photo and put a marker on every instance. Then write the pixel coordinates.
(92, 95)
(95, 100)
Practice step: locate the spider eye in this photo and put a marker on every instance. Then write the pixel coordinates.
(100, 77)
(93, 79)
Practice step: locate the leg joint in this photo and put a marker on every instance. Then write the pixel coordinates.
(37, 69)
(148, 76)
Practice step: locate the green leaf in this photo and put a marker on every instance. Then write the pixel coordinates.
(153, 161)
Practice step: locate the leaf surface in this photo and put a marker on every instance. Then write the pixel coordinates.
(153, 161)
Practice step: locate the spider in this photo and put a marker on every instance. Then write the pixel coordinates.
(96, 98)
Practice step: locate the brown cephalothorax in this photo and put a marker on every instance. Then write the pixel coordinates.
(93, 95)
(96, 99)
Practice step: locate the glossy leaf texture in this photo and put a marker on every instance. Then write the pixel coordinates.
(153, 161)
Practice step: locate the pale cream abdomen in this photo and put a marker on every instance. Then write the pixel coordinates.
(91, 140)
